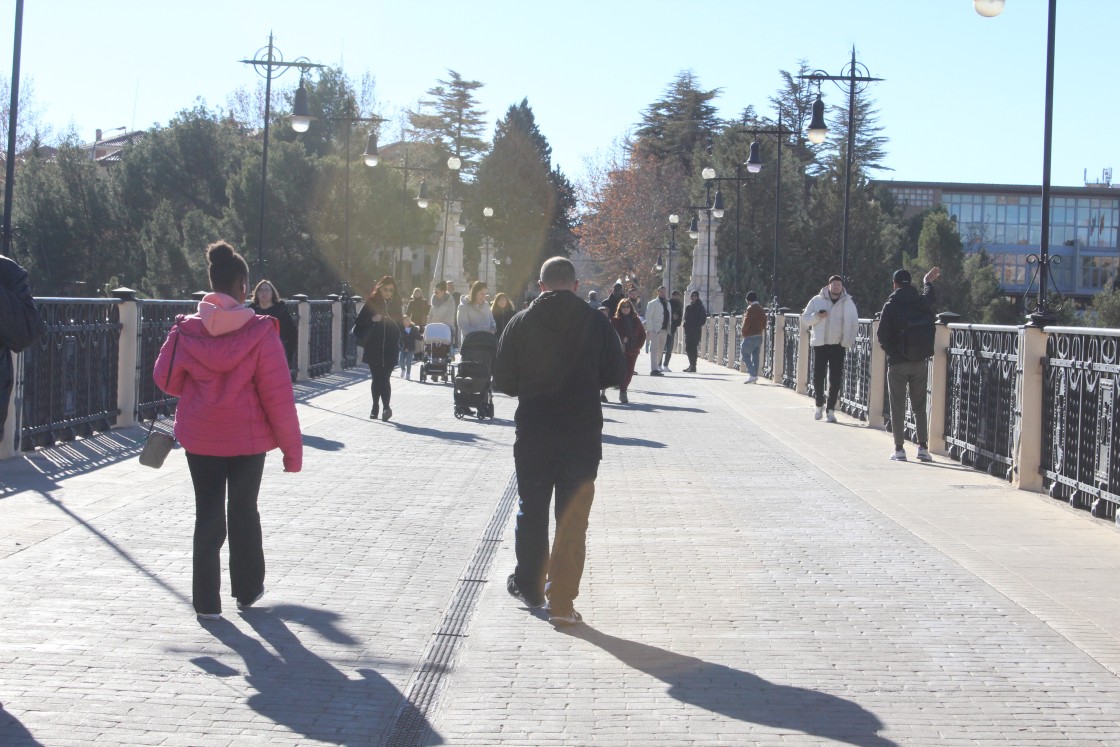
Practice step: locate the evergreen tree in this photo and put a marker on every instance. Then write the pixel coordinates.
(456, 125)
(940, 246)
(533, 202)
(679, 125)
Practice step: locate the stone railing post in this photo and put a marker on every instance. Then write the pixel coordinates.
(779, 368)
(303, 352)
(721, 336)
(336, 332)
(127, 354)
(877, 381)
(1028, 456)
(939, 383)
(804, 350)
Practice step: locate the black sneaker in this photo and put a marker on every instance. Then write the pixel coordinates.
(563, 615)
(387, 414)
(373, 414)
(656, 373)
(516, 592)
(246, 605)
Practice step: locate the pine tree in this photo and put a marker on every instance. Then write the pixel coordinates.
(679, 125)
(456, 124)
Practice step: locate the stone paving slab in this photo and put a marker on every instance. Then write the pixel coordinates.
(754, 577)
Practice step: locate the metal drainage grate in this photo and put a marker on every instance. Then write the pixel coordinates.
(410, 726)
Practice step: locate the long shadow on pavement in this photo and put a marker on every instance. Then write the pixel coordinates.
(302, 691)
(744, 696)
(623, 441)
(13, 733)
(655, 407)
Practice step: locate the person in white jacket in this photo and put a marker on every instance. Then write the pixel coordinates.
(833, 322)
(474, 313)
(658, 317)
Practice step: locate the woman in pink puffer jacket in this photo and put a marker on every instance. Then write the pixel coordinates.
(228, 369)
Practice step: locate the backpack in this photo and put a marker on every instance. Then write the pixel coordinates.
(917, 329)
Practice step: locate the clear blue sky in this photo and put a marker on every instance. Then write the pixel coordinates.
(962, 100)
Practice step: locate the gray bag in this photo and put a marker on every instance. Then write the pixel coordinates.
(159, 444)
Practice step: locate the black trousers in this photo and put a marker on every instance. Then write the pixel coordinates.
(380, 386)
(669, 342)
(828, 359)
(214, 477)
(555, 575)
(691, 347)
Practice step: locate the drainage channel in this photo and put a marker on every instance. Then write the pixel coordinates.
(410, 726)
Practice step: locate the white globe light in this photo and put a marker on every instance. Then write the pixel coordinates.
(988, 8)
(300, 124)
(372, 160)
(708, 173)
(454, 163)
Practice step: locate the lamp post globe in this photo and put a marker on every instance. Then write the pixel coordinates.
(988, 8)
(370, 154)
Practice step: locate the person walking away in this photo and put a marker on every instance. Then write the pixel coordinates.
(410, 336)
(266, 301)
(20, 326)
(226, 364)
(555, 357)
(611, 302)
(907, 327)
(502, 310)
(632, 334)
(694, 317)
(754, 327)
(418, 308)
(658, 319)
(607, 315)
(632, 294)
(676, 310)
(833, 323)
(474, 314)
(378, 329)
(593, 299)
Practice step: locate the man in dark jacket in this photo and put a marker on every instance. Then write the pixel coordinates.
(612, 300)
(676, 306)
(20, 325)
(902, 373)
(556, 357)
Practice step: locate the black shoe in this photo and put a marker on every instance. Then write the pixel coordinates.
(623, 398)
(387, 414)
(656, 373)
(516, 592)
(603, 398)
(246, 605)
(373, 414)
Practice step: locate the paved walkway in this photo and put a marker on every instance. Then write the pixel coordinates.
(754, 577)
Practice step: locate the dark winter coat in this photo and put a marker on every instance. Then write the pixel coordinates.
(380, 340)
(502, 317)
(556, 357)
(694, 317)
(677, 315)
(289, 332)
(631, 332)
(895, 310)
(20, 325)
(418, 309)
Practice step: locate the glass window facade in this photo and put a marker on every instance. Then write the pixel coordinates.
(1088, 222)
(913, 196)
(1097, 272)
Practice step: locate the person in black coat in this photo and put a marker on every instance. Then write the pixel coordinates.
(20, 326)
(694, 317)
(266, 301)
(503, 311)
(556, 357)
(378, 331)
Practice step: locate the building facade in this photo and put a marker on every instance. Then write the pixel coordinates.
(1006, 221)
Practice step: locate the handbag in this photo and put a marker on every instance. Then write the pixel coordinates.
(159, 444)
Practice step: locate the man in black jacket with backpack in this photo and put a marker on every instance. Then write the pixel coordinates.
(906, 333)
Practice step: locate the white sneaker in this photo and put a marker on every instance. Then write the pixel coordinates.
(666, 369)
(924, 455)
(898, 456)
(818, 413)
(751, 380)
(830, 416)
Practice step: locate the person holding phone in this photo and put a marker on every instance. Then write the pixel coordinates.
(833, 322)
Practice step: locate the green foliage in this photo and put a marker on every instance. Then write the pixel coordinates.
(679, 125)
(533, 202)
(1106, 308)
(939, 245)
(456, 124)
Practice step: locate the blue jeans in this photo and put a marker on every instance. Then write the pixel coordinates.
(406, 359)
(748, 353)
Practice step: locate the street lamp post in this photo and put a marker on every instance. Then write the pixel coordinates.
(857, 77)
(1043, 313)
(13, 117)
(371, 159)
(710, 209)
(275, 66)
(754, 165)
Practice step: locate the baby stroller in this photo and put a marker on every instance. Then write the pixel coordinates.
(473, 393)
(437, 353)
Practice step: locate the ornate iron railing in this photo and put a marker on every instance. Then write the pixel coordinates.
(768, 345)
(349, 344)
(293, 310)
(70, 374)
(730, 349)
(1080, 438)
(320, 319)
(855, 392)
(792, 331)
(811, 371)
(982, 406)
(155, 321)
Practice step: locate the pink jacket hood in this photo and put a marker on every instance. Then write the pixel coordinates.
(221, 314)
